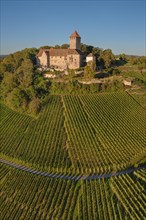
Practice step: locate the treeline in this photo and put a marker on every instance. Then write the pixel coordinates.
(75, 87)
(139, 61)
(22, 87)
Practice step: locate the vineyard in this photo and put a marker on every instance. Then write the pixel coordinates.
(77, 134)
(74, 139)
(26, 196)
(43, 142)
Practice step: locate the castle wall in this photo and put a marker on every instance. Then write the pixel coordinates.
(64, 62)
(43, 60)
(58, 62)
(73, 61)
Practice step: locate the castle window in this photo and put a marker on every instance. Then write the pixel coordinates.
(71, 59)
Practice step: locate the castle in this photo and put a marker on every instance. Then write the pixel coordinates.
(62, 59)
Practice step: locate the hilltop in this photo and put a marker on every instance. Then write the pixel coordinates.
(25, 87)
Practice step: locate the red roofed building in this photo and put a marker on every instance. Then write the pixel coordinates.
(71, 58)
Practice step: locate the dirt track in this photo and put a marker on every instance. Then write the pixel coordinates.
(68, 177)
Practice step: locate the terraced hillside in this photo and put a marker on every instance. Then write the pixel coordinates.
(27, 196)
(83, 134)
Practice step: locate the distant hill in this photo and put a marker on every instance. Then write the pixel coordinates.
(3, 56)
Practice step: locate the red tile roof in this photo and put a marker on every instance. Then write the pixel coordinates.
(59, 52)
(75, 34)
(41, 52)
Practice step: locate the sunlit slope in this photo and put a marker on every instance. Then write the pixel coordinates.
(13, 127)
(43, 144)
(106, 131)
(78, 134)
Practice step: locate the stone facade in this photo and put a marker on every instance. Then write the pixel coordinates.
(62, 59)
(42, 60)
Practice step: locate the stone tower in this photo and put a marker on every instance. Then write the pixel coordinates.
(75, 41)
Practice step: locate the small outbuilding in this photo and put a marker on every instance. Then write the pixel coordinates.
(90, 57)
(127, 82)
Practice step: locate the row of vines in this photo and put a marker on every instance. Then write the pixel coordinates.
(43, 143)
(82, 134)
(12, 129)
(105, 132)
(27, 196)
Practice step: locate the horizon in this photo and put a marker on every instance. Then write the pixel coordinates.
(100, 24)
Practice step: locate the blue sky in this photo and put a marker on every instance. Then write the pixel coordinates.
(118, 25)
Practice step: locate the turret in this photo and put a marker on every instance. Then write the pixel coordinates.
(75, 41)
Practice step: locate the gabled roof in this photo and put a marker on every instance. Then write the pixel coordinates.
(59, 52)
(41, 52)
(75, 34)
(63, 52)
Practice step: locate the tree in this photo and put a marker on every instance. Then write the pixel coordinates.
(89, 69)
(94, 88)
(9, 63)
(96, 51)
(40, 85)
(86, 48)
(45, 47)
(106, 58)
(140, 67)
(65, 46)
(35, 105)
(57, 46)
(24, 73)
(17, 86)
(122, 57)
(17, 99)
(13, 99)
(9, 82)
